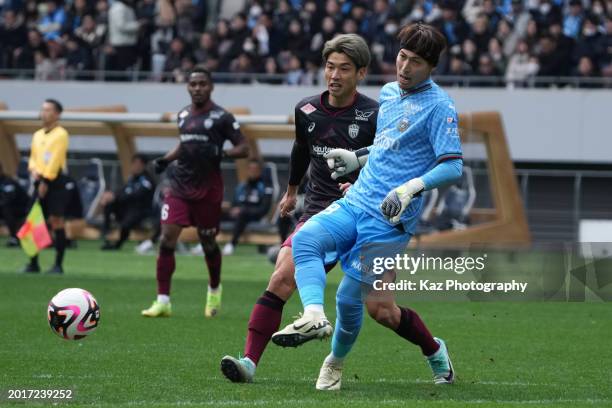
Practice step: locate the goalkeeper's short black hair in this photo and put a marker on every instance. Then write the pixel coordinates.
(424, 40)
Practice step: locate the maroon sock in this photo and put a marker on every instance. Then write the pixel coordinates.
(413, 329)
(165, 269)
(213, 261)
(264, 322)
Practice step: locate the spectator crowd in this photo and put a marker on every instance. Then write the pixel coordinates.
(516, 40)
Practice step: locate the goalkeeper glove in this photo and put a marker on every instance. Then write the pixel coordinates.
(397, 200)
(160, 164)
(343, 162)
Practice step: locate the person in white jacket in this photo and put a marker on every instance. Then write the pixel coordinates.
(521, 67)
(123, 30)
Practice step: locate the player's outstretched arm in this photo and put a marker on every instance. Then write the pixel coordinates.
(343, 161)
(397, 200)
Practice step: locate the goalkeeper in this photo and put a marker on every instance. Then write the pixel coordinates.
(416, 148)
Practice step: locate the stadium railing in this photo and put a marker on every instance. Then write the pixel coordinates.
(372, 79)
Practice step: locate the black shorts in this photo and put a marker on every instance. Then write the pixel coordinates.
(128, 216)
(58, 197)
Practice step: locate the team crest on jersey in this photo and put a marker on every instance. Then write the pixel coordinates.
(208, 123)
(308, 109)
(361, 115)
(403, 125)
(353, 130)
(311, 127)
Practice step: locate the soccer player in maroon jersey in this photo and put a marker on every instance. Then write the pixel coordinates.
(340, 117)
(196, 188)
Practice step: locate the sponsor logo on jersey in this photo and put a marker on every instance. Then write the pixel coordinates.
(308, 109)
(353, 130)
(403, 124)
(208, 123)
(363, 116)
(187, 137)
(321, 150)
(413, 108)
(386, 142)
(311, 127)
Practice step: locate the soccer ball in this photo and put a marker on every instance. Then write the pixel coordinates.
(73, 314)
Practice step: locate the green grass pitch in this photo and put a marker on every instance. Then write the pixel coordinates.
(505, 354)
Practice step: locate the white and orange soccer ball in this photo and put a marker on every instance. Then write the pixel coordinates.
(73, 314)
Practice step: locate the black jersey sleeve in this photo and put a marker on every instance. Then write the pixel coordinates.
(374, 122)
(231, 129)
(300, 154)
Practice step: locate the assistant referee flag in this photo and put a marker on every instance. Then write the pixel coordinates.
(33, 234)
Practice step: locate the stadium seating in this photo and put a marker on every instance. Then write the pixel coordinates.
(91, 187)
(268, 223)
(23, 174)
(453, 210)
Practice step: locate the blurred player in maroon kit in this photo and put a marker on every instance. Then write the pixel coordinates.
(196, 188)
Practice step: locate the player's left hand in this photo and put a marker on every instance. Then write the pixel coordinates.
(160, 164)
(287, 204)
(397, 200)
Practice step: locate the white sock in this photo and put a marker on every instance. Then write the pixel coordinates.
(333, 360)
(316, 310)
(165, 299)
(215, 290)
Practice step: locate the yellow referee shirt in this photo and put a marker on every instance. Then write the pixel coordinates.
(48, 152)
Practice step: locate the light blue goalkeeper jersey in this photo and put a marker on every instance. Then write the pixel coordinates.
(416, 130)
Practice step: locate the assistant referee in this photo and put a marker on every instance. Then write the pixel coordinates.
(47, 164)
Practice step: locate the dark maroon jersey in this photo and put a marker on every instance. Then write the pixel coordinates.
(197, 173)
(321, 128)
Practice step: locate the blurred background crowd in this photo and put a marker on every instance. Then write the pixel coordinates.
(491, 42)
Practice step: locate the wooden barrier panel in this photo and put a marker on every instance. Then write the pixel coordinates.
(9, 154)
(505, 224)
